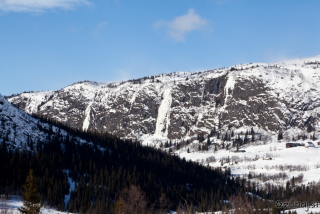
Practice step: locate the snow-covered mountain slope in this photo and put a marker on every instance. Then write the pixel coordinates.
(19, 130)
(272, 97)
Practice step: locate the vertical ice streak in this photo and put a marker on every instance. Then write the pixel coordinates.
(86, 121)
(163, 120)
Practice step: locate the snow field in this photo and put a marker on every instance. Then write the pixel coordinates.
(15, 202)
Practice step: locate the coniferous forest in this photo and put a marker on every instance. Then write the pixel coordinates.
(104, 169)
(108, 168)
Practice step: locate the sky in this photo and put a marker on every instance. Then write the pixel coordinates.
(47, 45)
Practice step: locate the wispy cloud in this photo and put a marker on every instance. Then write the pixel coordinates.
(74, 28)
(39, 6)
(99, 28)
(181, 25)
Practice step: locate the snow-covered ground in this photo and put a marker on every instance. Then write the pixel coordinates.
(15, 202)
(305, 210)
(72, 188)
(298, 210)
(269, 159)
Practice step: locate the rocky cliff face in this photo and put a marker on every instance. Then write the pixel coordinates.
(271, 97)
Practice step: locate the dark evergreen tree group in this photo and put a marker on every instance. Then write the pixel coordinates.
(110, 173)
(104, 168)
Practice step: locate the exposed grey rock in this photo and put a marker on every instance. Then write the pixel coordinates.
(272, 97)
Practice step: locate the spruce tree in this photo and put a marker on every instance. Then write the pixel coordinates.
(31, 198)
(309, 128)
(208, 141)
(246, 137)
(252, 131)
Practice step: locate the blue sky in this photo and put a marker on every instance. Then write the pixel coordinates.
(47, 45)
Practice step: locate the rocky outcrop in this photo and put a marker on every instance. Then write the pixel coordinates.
(271, 97)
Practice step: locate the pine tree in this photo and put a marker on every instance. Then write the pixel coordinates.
(208, 141)
(31, 198)
(225, 137)
(178, 146)
(252, 131)
(246, 137)
(309, 128)
(200, 138)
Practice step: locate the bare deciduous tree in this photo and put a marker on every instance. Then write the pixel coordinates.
(162, 205)
(185, 207)
(245, 204)
(134, 200)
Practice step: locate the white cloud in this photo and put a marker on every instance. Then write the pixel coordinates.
(38, 6)
(181, 25)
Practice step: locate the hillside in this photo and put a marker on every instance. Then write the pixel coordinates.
(19, 130)
(273, 97)
(90, 172)
(203, 116)
(222, 104)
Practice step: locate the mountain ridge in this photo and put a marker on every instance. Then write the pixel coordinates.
(272, 97)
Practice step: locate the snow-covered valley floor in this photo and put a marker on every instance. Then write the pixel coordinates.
(14, 202)
(272, 159)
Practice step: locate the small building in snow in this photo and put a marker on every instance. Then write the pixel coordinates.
(289, 145)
